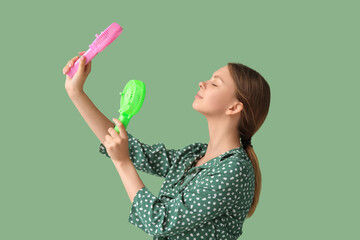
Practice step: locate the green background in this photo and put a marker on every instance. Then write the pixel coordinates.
(56, 185)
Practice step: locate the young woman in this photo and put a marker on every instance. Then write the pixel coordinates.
(209, 189)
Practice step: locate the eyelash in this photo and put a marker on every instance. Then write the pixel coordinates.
(214, 85)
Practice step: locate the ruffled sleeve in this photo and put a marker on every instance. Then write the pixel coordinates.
(153, 159)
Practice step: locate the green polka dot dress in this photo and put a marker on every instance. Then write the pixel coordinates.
(210, 201)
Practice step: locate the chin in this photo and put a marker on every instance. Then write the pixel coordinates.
(196, 108)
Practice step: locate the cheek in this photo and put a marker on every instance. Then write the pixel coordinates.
(217, 100)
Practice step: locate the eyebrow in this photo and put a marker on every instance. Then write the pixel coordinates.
(216, 76)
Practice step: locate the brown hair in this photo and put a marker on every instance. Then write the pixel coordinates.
(254, 92)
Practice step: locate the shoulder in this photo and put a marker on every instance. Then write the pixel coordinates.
(236, 163)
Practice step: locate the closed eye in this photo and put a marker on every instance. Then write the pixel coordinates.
(214, 85)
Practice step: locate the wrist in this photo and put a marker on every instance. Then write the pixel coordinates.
(122, 164)
(75, 93)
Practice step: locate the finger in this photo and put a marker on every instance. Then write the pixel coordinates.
(106, 143)
(122, 131)
(82, 63)
(72, 61)
(75, 59)
(67, 68)
(67, 65)
(113, 133)
(70, 64)
(88, 68)
(108, 138)
(81, 53)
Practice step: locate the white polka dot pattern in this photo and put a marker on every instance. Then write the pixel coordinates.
(210, 201)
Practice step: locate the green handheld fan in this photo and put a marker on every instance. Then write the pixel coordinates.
(132, 98)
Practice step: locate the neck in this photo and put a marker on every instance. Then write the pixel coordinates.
(223, 136)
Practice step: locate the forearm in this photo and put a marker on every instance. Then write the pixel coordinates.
(130, 178)
(97, 121)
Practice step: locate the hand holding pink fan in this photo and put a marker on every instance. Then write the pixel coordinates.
(99, 44)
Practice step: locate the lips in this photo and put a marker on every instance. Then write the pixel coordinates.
(199, 95)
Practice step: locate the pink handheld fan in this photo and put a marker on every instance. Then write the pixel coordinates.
(98, 45)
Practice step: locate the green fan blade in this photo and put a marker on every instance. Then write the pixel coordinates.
(132, 98)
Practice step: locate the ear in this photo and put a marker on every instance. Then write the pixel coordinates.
(235, 108)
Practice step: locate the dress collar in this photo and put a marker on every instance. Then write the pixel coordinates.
(212, 163)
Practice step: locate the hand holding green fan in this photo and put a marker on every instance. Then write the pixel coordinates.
(132, 98)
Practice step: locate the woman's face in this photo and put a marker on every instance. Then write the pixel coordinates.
(218, 93)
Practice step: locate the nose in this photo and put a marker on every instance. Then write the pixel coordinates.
(201, 84)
